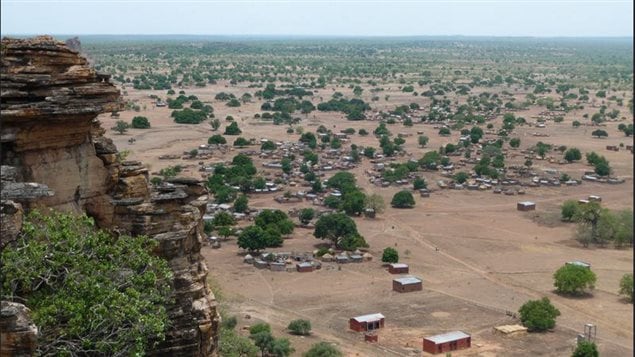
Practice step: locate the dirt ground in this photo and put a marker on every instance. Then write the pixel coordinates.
(477, 255)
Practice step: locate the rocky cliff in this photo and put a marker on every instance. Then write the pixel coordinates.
(54, 155)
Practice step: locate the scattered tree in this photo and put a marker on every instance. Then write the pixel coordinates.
(626, 286)
(121, 127)
(300, 327)
(573, 279)
(538, 315)
(403, 199)
(390, 255)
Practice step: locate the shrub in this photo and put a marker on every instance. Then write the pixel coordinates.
(300, 327)
(626, 286)
(573, 279)
(323, 349)
(538, 315)
(139, 122)
(99, 294)
(390, 255)
(232, 129)
(216, 139)
(586, 349)
(569, 210)
(403, 199)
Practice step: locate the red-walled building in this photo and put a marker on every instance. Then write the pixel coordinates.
(398, 268)
(366, 322)
(447, 342)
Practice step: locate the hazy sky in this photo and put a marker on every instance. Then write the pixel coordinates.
(320, 17)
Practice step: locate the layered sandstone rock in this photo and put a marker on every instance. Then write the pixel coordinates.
(54, 155)
(19, 334)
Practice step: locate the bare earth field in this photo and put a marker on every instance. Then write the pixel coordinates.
(490, 258)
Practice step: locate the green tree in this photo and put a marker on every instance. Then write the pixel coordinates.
(306, 215)
(572, 154)
(241, 142)
(419, 183)
(268, 146)
(323, 349)
(343, 181)
(403, 199)
(599, 133)
(573, 279)
(461, 177)
(230, 344)
(300, 327)
(538, 315)
(253, 238)
(444, 132)
(334, 227)
(89, 292)
(586, 349)
(121, 127)
(232, 129)
(233, 103)
(280, 347)
(139, 122)
(569, 210)
(223, 219)
(286, 165)
(353, 202)
(626, 286)
(423, 140)
(263, 340)
(514, 142)
(390, 255)
(241, 204)
(274, 219)
(259, 327)
(217, 139)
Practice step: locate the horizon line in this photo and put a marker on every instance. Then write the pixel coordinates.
(314, 35)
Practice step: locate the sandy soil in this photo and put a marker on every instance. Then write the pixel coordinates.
(490, 258)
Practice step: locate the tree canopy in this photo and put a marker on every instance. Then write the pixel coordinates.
(538, 315)
(573, 279)
(89, 291)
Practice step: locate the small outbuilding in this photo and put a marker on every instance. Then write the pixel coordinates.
(248, 259)
(407, 284)
(398, 268)
(451, 341)
(327, 258)
(260, 264)
(526, 206)
(278, 266)
(580, 264)
(342, 259)
(366, 322)
(304, 267)
(356, 258)
(595, 198)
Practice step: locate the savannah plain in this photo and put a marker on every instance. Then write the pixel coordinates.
(477, 255)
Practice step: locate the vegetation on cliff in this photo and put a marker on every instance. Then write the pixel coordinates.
(90, 293)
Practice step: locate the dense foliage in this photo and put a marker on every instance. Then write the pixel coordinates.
(90, 292)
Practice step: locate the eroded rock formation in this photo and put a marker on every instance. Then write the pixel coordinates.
(54, 155)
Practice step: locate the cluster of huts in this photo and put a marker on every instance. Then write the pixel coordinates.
(303, 262)
(283, 261)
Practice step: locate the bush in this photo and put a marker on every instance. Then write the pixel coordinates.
(586, 349)
(240, 142)
(232, 129)
(626, 286)
(259, 328)
(229, 323)
(300, 327)
(323, 349)
(403, 199)
(99, 294)
(390, 255)
(217, 139)
(189, 116)
(140, 123)
(569, 210)
(538, 315)
(572, 154)
(419, 183)
(573, 279)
